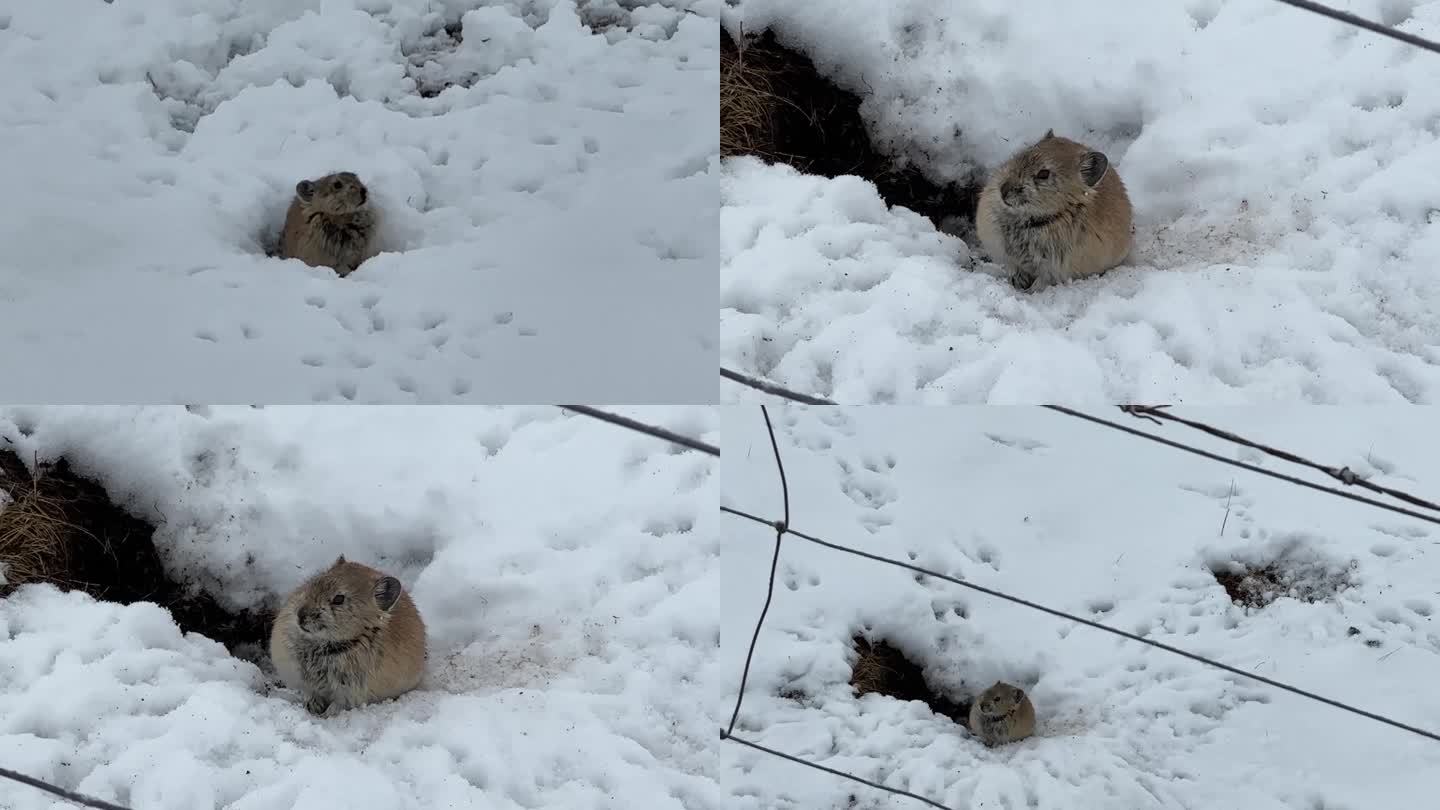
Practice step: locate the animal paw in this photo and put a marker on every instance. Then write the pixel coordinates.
(317, 704)
(1022, 280)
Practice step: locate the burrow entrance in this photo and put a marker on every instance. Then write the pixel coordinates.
(883, 669)
(776, 106)
(1257, 584)
(62, 528)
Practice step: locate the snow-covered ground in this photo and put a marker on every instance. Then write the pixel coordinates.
(1106, 526)
(567, 571)
(1281, 165)
(550, 228)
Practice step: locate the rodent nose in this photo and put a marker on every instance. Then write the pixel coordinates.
(1009, 190)
(305, 615)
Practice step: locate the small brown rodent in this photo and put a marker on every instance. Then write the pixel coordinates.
(330, 223)
(347, 636)
(1002, 714)
(1055, 212)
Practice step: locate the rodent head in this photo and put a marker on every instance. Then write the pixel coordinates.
(344, 601)
(1000, 699)
(1050, 176)
(339, 193)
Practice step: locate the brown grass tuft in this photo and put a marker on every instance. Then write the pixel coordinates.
(36, 537)
(776, 106)
(62, 528)
(747, 96)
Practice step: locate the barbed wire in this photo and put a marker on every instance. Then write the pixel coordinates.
(783, 527)
(1344, 475)
(641, 427)
(1246, 466)
(1360, 22)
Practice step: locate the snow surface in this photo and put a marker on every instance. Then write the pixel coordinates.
(1281, 165)
(1109, 527)
(567, 571)
(545, 227)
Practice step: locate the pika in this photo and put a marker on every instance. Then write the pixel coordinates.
(330, 223)
(1055, 212)
(1002, 714)
(347, 636)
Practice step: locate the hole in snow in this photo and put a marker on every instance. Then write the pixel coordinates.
(60, 527)
(776, 106)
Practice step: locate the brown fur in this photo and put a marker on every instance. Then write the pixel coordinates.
(330, 223)
(359, 651)
(1073, 223)
(1002, 714)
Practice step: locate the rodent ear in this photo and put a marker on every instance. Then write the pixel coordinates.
(339, 561)
(387, 592)
(1049, 133)
(305, 190)
(1092, 168)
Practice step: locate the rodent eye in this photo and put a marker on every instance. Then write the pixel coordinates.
(339, 599)
(338, 185)
(1043, 174)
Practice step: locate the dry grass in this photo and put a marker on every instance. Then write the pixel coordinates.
(747, 96)
(882, 669)
(62, 528)
(36, 536)
(775, 105)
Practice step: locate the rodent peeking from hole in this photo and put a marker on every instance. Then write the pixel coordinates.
(347, 636)
(1002, 714)
(1055, 212)
(330, 223)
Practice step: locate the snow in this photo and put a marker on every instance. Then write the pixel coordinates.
(1108, 527)
(1286, 241)
(543, 227)
(566, 569)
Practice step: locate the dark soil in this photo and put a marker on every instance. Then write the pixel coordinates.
(1258, 586)
(816, 127)
(111, 555)
(883, 669)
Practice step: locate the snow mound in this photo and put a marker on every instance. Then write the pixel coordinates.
(1106, 527)
(1285, 248)
(565, 570)
(547, 179)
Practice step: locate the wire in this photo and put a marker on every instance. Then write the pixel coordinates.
(783, 527)
(58, 791)
(641, 427)
(852, 777)
(1242, 465)
(1344, 475)
(1105, 628)
(1361, 22)
(754, 639)
(772, 388)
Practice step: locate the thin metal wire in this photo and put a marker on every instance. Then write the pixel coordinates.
(755, 638)
(1242, 465)
(641, 427)
(1361, 22)
(772, 388)
(852, 777)
(779, 465)
(59, 791)
(783, 527)
(1344, 475)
